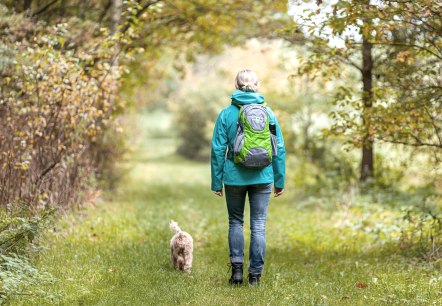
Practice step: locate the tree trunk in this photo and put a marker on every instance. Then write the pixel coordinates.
(82, 9)
(62, 8)
(116, 16)
(116, 21)
(27, 5)
(367, 165)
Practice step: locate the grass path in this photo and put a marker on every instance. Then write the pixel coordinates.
(116, 253)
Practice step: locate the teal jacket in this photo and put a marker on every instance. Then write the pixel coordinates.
(224, 170)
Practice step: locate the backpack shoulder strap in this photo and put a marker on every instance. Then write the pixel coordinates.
(241, 105)
(236, 104)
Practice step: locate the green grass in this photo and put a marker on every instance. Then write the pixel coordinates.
(117, 253)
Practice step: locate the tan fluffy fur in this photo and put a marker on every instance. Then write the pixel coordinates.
(181, 248)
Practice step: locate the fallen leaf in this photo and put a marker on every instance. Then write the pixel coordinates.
(361, 285)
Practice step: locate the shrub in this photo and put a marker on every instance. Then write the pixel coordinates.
(58, 107)
(18, 236)
(19, 277)
(57, 103)
(194, 114)
(324, 168)
(421, 233)
(399, 221)
(18, 232)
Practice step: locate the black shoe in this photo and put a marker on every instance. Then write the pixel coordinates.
(254, 279)
(236, 277)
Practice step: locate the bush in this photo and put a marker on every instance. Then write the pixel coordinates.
(58, 101)
(421, 233)
(58, 107)
(401, 221)
(194, 115)
(19, 277)
(324, 169)
(18, 235)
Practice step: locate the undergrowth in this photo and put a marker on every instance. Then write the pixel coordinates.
(19, 236)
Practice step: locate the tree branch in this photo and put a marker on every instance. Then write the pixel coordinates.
(138, 14)
(403, 45)
(105, 10)
(416, 144)
(351, 63)
(46, 171)
(435, 127)
(44, 8)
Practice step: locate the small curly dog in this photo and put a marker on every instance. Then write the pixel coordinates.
(181, 248)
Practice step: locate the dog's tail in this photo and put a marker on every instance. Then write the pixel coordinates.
(174, 227)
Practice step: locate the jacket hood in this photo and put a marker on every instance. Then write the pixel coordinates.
(246, 97)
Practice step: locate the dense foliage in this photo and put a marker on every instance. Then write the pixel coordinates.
(395, 47)
(54, 113)
(58, 103)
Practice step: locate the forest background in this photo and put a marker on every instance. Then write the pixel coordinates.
(356, 86)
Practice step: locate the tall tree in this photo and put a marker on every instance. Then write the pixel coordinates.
(367, 162)
(396, 47)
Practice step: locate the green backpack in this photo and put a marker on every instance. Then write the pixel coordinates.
(255, 142)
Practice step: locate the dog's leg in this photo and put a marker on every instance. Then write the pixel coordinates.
(180, 262)
(188, 257)
(174, 258)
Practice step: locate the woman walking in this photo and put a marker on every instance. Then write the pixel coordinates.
(245, 172)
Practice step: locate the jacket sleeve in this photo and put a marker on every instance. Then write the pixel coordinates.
(278, 161)
(218, 154)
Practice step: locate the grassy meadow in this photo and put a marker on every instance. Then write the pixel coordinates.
(116, 251)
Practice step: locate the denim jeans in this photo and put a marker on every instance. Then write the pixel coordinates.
(259, 196)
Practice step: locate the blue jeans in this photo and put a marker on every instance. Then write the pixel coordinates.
(259, 196)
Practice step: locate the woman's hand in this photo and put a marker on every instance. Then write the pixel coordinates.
(278, 191)
(219, 193)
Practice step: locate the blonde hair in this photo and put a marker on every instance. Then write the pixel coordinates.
(247, 80)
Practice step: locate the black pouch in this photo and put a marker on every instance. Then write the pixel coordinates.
(272, 128)
(273, 139)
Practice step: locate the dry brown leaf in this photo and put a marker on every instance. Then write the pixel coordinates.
(361, 285)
